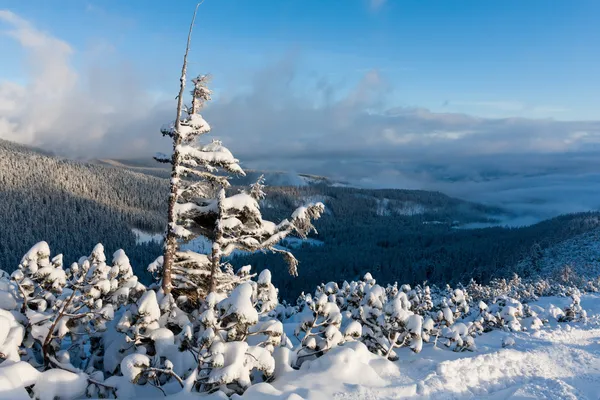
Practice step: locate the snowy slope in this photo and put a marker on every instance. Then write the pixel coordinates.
(562, 361)
(387, 207)
(581, 253)
(550, 361)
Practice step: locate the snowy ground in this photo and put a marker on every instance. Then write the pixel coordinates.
(562, 361)
(142, 237)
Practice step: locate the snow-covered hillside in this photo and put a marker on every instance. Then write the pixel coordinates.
(581, 253)
(387, 207)
(93, 331)
(560, 361)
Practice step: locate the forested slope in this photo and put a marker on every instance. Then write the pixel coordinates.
(399, 235)
(415, 238)
(73, 206)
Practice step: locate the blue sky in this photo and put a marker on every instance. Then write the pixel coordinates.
(496, 101)
(534, 58)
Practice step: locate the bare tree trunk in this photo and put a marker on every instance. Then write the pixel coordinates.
(49, 336)
(171, 239)
(215, 258)
(392, 343)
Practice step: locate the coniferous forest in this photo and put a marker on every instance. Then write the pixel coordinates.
(413, 236)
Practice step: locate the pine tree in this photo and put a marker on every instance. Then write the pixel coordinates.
(204, 208)
(175, 132)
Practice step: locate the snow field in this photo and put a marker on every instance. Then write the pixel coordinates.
(561, 361)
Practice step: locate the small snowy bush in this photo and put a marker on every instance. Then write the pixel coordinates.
(382, 318)
(574, 312)
(396, 316)
(113, 337)
(226, 344)
(320, 328)
(56, 318)
(74, 303)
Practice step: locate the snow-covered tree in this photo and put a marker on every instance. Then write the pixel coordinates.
(574, 311)
(200, 206)
(156, 346)
(226, 344)
(266, 293)
(75, 302)
(203, 207)
(236, 341)
(320, 328)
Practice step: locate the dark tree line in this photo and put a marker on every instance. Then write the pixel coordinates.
(73, 206)
(399, 235)
(409, 248)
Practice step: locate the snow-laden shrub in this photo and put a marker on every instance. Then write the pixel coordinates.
(504, 313)
(93, 330)
(382, 318)
(320, 328)
(55, 319)
(574, 311)
(266, 293)
(526, 290)
(508, 314)
(11, 337)
(74, 303)
(400, 316)
(458, 337)
(237, 337)
(389, 322)
(226, 344)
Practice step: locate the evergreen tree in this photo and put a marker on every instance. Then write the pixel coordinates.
(203, 207)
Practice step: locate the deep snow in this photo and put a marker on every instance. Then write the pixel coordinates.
(561, 361)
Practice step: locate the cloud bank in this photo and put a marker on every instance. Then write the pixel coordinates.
(96, 110)
(100, 109)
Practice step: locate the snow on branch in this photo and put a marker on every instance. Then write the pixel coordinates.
(211, 155)
(163, 158)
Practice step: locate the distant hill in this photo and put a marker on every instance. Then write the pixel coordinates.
(403, 235)
(273, 178)
(581, 253)
(73, 205)
(409, 236)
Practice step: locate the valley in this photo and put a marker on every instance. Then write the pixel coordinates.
(407, 235)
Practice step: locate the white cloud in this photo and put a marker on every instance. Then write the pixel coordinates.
(506, 107)
(61, 108)
(107, 109)
(85, 111)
